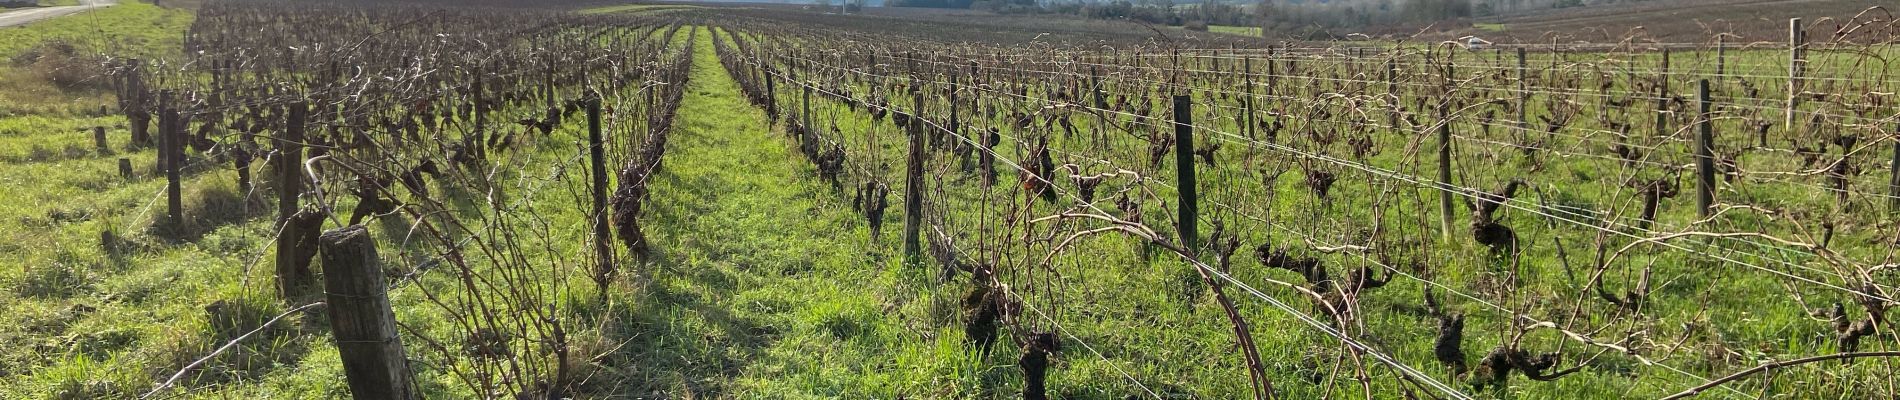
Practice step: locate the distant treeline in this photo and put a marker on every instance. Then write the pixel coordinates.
(1275, 15)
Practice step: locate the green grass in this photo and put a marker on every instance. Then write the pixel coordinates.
(130, 29)
(1235, 30)
(1489, 27)
(767, 285)
(638, 8)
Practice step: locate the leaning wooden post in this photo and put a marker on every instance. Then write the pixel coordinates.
(1797, 40)
(1184, 172)
(771, 96)
(1705, 153)
(360, 316)
(914, 179)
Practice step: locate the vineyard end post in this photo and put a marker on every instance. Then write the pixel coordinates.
(361, 320)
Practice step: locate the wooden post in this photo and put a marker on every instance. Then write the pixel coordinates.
(292, 259)
(1705, 153)
(596, 152)
(914, 179)
(805, 102)
(1797, 40)
(134, 105)
(956, 125)
(1893, 185)
(1662, 97)
(99, 140)
(771, 96)
(1246, 99)
(1184, 171)
(1721, 55)
(1523, 97)
(361, 320)
(1445, 203)
(172, 134)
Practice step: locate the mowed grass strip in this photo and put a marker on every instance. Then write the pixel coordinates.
(766, 282)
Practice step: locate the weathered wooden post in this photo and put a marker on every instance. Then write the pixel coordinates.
(133, 103)
(1445, 204)
(914, 179)
(805, 103)
(1246, 99)
(1797, 64)
(1662, 97)
(360, 316)
(294, 229)
(771, 96)
(1893, 184)
(1721, 55)
(596, 152)
(1705, 153)
(99, 140)
(1523, 99)
(1184, 172)
(172, 135)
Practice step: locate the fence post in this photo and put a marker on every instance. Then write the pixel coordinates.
(1705, 153)
(360, 316)
(914, 179)
(805, 102)
(1184, 171)
(596, 152)
(1797, 39)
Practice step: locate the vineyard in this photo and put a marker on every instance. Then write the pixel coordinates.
(499, 200)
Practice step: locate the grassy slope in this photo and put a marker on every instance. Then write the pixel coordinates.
(130, 29)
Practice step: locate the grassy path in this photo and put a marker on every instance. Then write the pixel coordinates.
(766, 284)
